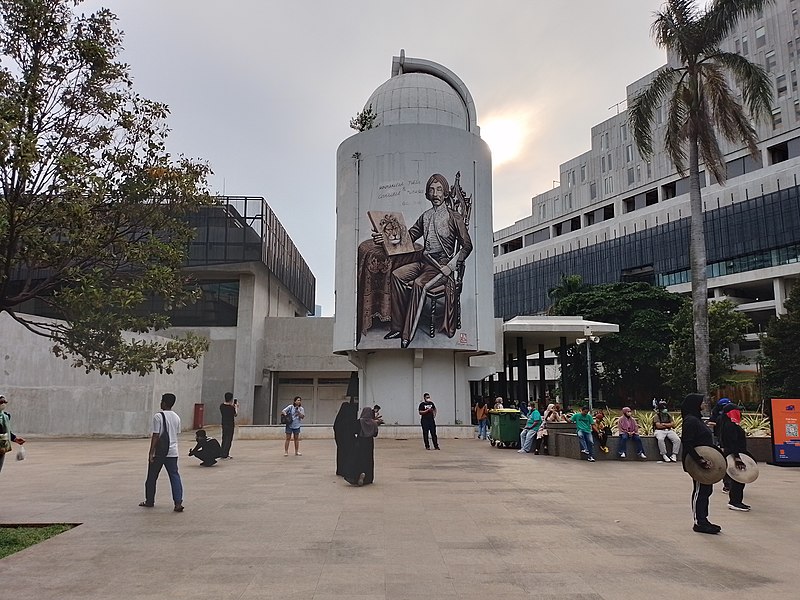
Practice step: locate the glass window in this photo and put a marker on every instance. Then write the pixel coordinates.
(583, 173)
(649, 169)
(608, 145)
(795, 20)
(629, 153)
(638, 172)
(744, 45)
(769, 61)
(609, 163)
(790, 47)
(593, 190)
(780, 85)
(761, 37)
(738, 45)
(776, 118)
(624, 131)
(630, 176)
(603, 164)
(794, 80)
(797, 110)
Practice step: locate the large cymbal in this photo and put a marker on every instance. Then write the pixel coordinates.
(706, 476)
(747, 475)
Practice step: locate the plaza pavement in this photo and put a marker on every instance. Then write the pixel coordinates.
(470, 521)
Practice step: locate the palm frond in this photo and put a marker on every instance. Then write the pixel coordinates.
(643, 106)
(709, 145)
(752, 79)
(725, 110)
(723, 16)
(675, 136)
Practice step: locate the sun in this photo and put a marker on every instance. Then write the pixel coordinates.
(505, 136)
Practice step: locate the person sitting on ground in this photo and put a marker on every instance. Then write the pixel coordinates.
(583, 427)
(207, 450)
(664, 429)
(600, 430)
(734, 442)
(528, 433)
(629, 430)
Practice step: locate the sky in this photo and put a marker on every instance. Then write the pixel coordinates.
(263, 90)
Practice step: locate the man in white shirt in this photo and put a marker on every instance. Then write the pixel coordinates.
(162, 455)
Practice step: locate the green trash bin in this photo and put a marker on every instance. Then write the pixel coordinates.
(504, 427)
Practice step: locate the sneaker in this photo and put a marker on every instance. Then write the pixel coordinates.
(584, 452)
(707, 528)
(298, 454)
(666, 458)
(590, 459)
(674, 458)
(642, 455)
(738, 506)
(622, 455)
(520, 451)
(286, 454)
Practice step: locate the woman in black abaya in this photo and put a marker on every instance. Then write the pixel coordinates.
(345, 427)
(361, 466)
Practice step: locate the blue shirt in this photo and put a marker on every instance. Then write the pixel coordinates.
(295, 414)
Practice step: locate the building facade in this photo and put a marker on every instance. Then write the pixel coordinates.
(617, 217)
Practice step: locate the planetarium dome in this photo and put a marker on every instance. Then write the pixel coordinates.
(422, 92)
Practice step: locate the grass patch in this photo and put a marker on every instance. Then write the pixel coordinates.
(14, 538)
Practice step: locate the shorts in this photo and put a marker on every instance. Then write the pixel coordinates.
(294, 431)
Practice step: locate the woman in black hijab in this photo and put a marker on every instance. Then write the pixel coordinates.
(361, 466)
(345, 427)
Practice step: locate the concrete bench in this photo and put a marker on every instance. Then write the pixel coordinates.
(567, 445)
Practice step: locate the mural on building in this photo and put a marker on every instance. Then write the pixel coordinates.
(411, 279)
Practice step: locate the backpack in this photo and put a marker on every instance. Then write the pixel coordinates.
(162, 446)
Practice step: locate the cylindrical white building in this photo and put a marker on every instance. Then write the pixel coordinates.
(414, 288)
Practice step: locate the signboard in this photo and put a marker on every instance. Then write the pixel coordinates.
(785, 436)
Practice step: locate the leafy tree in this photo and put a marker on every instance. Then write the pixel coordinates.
(700, 104)
(364, 120)
(727, 326)
(93, 207)
(781, 347)
(569, 284)
(631, 357)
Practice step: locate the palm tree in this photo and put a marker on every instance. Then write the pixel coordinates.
(700, 105)
(569, 284)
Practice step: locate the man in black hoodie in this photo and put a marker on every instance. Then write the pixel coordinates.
(696, 433)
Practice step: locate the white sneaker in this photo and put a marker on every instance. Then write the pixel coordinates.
(622, 455)
(642, 455)
(286, 454)
(674, 458)
(520, 451)
(298, 454)
(590, 459)
(666, 458)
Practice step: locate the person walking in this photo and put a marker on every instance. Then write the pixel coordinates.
(695, 433)
(482, 416)
(427, 419)
(229, 410)
(361, 464)
(345, 427)
(6, 435)
(165, 422)
(295, 414)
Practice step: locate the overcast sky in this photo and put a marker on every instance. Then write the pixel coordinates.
(264, 89)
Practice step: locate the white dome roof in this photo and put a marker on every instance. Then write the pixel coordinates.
(418, 98)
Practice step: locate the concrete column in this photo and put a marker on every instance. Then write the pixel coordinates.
(542, 378)
(522, 372)
(779, 287)
(510, 389)
(246, 352)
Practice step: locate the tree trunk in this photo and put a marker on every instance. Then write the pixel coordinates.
(697, 252)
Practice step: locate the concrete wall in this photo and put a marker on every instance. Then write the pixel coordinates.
(48, 396)
(294, 344)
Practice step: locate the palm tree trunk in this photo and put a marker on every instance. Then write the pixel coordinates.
(697, 251)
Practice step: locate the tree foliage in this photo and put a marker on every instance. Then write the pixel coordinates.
(364, 120)
(92, 213)
(631, 357)
(727, 326)
(700, 105)
(780, 348)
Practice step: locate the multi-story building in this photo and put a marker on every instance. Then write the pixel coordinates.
(616, 216)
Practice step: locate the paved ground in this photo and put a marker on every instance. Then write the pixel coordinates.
(468, 522)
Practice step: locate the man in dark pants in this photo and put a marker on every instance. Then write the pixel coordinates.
(228, 409)
(207, 449)
(696, 433)
(427, 418)
(169, 421)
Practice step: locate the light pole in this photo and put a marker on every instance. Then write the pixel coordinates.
(588, 340)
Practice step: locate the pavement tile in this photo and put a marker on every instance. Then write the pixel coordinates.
(470, 522)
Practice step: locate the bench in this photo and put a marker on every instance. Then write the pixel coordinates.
(567, 445)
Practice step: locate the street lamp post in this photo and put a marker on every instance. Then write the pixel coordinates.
(588, 340)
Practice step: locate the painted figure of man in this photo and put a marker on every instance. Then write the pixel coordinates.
(447, 244)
